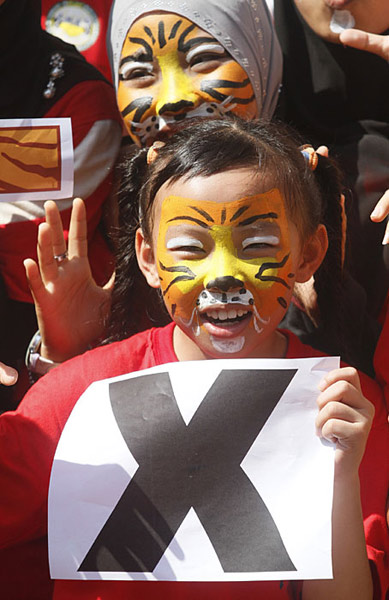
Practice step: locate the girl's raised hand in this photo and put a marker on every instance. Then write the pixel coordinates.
(71, 309)
(345, 417)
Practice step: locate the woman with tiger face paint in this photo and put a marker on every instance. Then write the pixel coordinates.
(202, 58)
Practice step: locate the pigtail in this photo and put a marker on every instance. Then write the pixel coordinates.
(135, 306)
(328, 279)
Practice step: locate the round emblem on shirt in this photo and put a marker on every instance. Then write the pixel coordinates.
(74, 22)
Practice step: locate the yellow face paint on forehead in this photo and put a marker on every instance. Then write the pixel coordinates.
(170, 69)
(232, 254)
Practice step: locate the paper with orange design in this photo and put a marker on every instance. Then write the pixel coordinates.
(36, 159)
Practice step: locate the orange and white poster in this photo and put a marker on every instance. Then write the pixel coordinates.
(36, 159)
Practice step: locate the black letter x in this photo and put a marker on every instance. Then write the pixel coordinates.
(192, 466)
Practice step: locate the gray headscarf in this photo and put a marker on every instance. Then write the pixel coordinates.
(243, 27)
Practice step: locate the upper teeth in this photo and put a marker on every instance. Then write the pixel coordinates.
(222, 314)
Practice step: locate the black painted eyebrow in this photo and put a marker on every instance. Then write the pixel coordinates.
(203, 213)
(175, 27)
(181, 39)
(250, 220)
(146, 46)
(136, 57)
(197, 41)
(239, 212)
(188, 218)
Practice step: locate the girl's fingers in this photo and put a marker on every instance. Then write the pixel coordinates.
(78, 240)
(47, 263)
(53, 219)
(342, 432)
(339, 412)
(343, 392)
(348, 374)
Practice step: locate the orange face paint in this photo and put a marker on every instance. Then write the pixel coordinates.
(170, 70)
(224, 261)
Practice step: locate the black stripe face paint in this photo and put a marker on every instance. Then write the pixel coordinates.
(170, 70)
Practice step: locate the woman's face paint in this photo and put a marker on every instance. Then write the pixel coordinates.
(170, 69)
(226, 268)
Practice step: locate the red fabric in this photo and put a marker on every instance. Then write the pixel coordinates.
(381, 358)
(18, 239)
(28, 439)
(97, 52)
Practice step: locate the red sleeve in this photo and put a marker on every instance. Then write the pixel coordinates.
(86, 102)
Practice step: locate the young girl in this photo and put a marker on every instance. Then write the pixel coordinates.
(230, 219)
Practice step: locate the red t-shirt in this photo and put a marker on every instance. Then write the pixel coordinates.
(28, 440)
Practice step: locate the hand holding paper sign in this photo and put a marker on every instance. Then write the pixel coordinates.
(70, 307)
(345, 417)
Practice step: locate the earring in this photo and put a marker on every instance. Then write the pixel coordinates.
(56, 64)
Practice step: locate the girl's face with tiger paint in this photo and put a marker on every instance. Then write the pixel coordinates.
(170, 69)
(226, 257)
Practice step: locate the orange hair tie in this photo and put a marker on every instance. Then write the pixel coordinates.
(152, 152)
(310, 156)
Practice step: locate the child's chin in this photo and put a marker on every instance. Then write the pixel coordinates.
(228, 346)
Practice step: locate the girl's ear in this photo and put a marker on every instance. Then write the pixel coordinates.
(146, 261)
(312, 255)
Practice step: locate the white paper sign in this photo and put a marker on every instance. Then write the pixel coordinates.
(36, 159)
(195, 471)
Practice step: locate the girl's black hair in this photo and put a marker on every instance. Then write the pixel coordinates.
(207, 147)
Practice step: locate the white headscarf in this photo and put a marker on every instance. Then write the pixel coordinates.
(243, 27)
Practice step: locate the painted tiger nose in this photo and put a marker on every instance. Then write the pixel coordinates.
(224, 283)
(176, 87)
(176, 107)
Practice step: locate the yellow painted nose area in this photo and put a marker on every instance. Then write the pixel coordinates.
(176, 85)
(224, 261)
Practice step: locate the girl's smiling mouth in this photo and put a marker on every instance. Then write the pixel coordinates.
(225, 321)
(225, 314)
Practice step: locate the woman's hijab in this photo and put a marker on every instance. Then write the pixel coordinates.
(243, 27)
